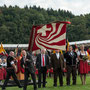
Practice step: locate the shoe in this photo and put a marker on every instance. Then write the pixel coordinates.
(44, 86)
(24, 88)
(68, 84)
(39, 86)
(55, 85)
(35, 88)
(61, 85)
(74, 83)
(20, 86)
(3, 88)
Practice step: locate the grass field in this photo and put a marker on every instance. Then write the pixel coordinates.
(49, 85)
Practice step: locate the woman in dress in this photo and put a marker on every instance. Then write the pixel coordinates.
(83, 67)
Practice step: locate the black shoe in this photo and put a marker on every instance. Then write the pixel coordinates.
(20, 86)
(3, 88)
(74, 83)
(55, 85)
(61, 85)
(35, 88)
(39, 86)
(44, 86)
(68, 84)
(24, 88)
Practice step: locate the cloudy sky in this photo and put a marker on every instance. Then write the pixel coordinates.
(77, 7)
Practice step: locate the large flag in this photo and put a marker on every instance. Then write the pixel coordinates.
(50, 36)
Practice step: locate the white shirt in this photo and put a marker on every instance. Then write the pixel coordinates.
(79, 52)
(71, 53)
(12, 62)
(58, 55)
(4, 64)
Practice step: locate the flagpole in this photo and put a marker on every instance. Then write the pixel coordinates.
(30, 48)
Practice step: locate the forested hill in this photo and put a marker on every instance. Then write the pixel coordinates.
(16, 23)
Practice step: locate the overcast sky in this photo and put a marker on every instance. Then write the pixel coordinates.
(77, 7)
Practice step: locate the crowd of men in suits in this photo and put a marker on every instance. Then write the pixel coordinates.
(57, 61)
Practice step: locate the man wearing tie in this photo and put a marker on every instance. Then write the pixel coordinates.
(57, 62)
(42, 64)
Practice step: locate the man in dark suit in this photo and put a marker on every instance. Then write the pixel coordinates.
(11, 68)
(70, 59)
(42, 64)
(57, 62)
(27, 64)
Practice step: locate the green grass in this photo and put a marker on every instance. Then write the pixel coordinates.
(49, 85)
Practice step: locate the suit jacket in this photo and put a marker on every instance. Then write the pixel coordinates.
(70, 59)
(28, 64)
(38, 61)
(57, 63)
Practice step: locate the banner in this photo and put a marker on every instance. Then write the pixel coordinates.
(50, 36)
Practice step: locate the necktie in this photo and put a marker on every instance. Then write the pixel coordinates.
(43, 60)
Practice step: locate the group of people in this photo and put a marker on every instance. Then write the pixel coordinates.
(59, 62)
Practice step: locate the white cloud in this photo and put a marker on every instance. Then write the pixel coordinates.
(77, 7)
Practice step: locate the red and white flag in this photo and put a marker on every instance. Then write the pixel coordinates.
(50, 36)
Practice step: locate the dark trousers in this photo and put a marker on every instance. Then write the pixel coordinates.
(43, 71)
(71, 69)
(26, 75)
(11, 72)
(58, 72)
